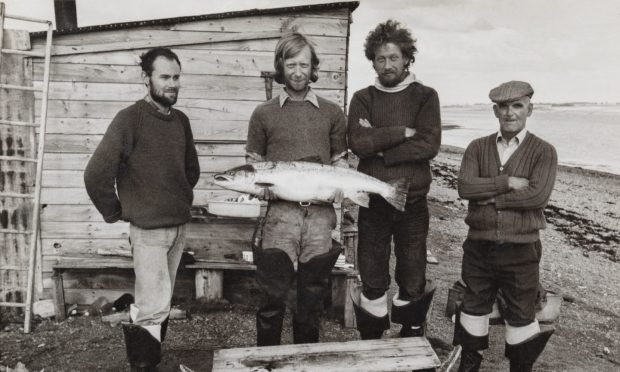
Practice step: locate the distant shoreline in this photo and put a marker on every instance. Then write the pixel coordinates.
(564, 168)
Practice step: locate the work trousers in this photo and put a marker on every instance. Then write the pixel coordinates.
(377, 225)
(512, 267)
(156, 257)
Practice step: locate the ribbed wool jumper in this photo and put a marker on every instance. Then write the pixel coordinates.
(415, 107)
(297, 130)
(517, 215)
(152, 159)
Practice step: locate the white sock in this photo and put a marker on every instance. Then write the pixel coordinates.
(475, 325)
(516, 335)
(377, 307)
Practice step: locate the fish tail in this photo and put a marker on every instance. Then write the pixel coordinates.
(398, 195)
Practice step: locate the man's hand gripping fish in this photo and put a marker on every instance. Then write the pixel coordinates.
(302, 181)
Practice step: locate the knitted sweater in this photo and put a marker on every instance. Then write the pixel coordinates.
(415, 107)
(517, 215)
(152, 160)
(297, 130)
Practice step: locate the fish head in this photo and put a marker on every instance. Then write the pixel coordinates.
(241, 179)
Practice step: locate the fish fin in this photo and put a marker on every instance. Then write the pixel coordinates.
(263, 184)
(398, 196)
(311, 159)
(360, 198)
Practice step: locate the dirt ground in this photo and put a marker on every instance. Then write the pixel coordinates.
(580, 261)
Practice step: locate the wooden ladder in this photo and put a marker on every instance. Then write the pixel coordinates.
(38, 160)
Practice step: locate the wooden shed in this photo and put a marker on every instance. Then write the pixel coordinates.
(227, 61)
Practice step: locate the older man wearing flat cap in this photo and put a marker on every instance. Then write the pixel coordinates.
(507, 177)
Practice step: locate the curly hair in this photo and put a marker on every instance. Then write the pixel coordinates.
(147, 59)
(288, 47)
(390, 32)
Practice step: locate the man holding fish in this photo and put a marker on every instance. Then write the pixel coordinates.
(296, 237)
(394, 127)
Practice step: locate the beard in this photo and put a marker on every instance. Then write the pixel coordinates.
(160, 97)
(393, 79)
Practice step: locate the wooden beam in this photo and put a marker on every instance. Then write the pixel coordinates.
(209, 87)
(209, 284)
(2, 12)
(195, 109)
(58, 293)
(82, 74)
(185, 39)
(197, 61)
(72, 161)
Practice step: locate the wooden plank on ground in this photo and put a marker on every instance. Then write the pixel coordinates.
(394, 354)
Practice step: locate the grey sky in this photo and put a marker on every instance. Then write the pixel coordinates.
(567, 49)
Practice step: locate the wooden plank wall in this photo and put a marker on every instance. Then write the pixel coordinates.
(96, 74)
(15, 177)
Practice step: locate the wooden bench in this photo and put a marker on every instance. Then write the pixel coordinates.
(209, 280)
(210, 283)
(389, 354)
(60, 267)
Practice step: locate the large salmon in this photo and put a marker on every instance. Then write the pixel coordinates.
(311, 182)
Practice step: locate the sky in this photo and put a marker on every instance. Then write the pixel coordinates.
(567, 49)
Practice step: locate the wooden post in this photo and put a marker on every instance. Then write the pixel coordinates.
(59, 296)
(210, 284)
(349, 313)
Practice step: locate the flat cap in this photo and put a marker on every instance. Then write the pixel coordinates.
(511, 91)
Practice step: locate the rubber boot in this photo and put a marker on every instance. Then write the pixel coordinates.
(471, 359)
(143, 350)
(275, 274)
(312, 283)
(523, 355)
(164, 329)
(414, 313)
(370, 327)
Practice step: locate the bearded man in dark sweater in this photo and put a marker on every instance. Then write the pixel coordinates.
(507, 178)
(395, 129)
(148, 153)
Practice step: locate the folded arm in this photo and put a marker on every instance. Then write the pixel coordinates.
(471, 185)
(425, 143)
(538, 191)
(366, 140)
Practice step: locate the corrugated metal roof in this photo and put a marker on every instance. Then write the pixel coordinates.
(351, 5)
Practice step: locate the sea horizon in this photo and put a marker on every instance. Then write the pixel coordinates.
(585, 134)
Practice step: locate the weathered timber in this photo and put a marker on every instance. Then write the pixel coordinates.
(15, 177)
(199, 61)
(392, 354)
(132, 92)
(73, 161)
(211, 83)
(193, 108)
